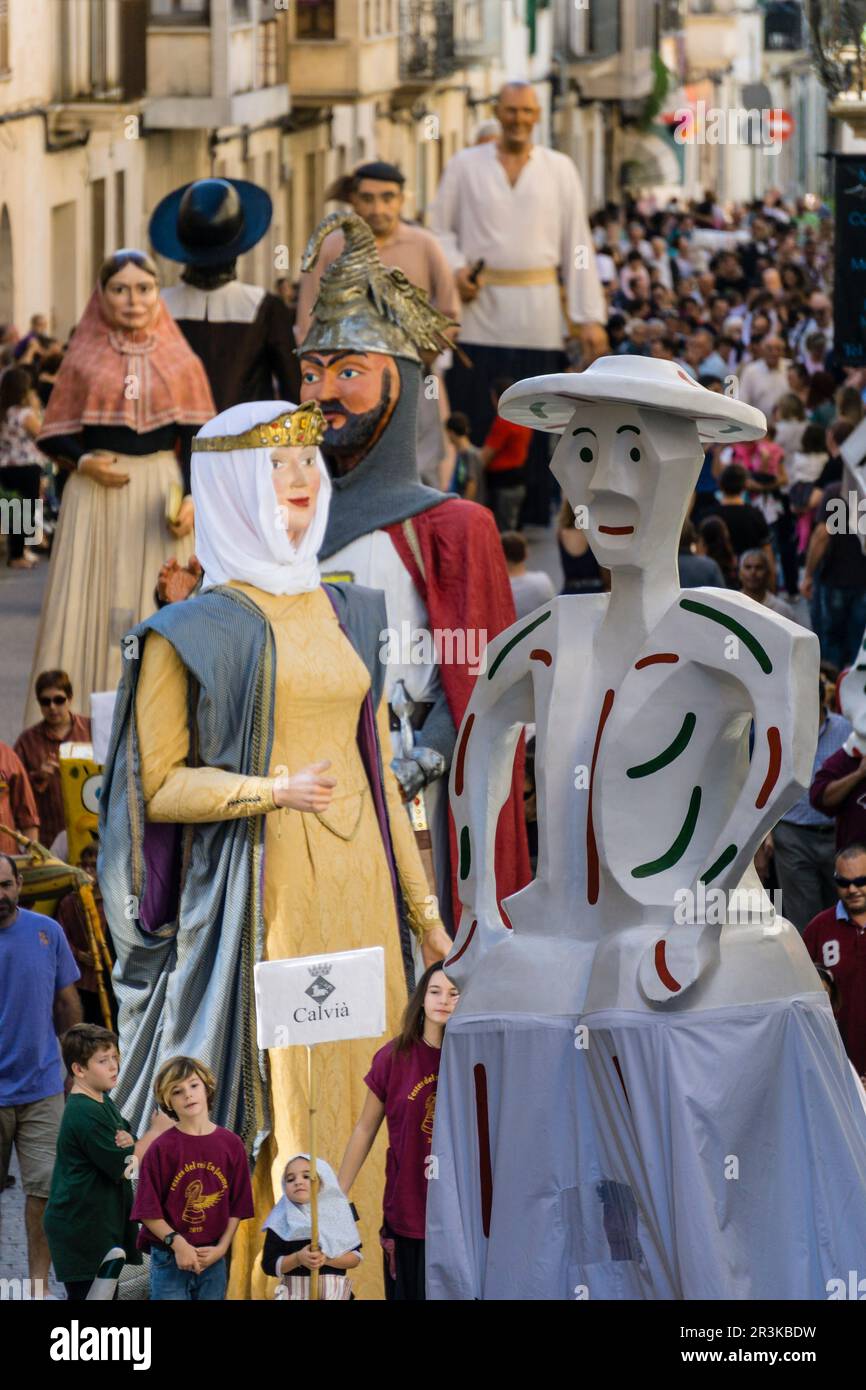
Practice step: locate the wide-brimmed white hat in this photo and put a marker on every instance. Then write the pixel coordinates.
(549, 402)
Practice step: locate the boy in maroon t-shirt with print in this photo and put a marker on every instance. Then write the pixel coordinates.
(193, 1189)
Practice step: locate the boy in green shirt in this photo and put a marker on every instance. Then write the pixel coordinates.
(91, 1190)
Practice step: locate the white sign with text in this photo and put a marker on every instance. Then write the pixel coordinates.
(315, 999)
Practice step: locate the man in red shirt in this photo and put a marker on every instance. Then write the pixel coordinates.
(836, 940)
(838, 790)
(504, 456)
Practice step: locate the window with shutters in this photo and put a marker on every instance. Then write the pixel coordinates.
(316, 19)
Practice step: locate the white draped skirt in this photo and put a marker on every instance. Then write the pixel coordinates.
(718, 1154)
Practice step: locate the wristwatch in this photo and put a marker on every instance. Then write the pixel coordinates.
(169, 1239)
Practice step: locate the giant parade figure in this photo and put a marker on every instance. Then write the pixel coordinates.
(249, 811)
(643, 1091)
(437, 558)
(242, 333)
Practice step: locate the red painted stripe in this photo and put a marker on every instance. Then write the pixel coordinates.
(662, 970)
(461, 755)
(655, 660)
(615, 1061)
(774, 740)
(485, 1168)
(504, 915)
(539, 654)
(592, 869)
(616, 530)
(452, 960)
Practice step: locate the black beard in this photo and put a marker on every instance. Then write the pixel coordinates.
(345, 447)
(210, 277)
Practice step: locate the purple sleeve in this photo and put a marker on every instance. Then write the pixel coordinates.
(240, 1188)
(838, 765)
(379, 1075)
(148, 1202)
(66, 971)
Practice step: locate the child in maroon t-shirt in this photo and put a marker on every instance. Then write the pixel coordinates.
(193, 1189)
(402, 1082)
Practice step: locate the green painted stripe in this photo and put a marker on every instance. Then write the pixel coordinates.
(722, 862)
(518, 637)
(465, 852)
(668, 755)
(677, 849)
(754, 646)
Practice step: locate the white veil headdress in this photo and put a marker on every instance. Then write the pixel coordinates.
(239, 529)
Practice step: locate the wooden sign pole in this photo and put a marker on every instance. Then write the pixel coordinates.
(314, 1177)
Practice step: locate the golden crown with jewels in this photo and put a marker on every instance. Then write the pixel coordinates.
(292, 429)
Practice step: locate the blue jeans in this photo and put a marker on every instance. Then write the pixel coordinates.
(167, 1282)
(838, 617)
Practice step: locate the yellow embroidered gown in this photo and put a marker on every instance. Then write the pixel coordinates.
(327, 885)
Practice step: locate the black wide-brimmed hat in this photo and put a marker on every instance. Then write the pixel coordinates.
(210, 221)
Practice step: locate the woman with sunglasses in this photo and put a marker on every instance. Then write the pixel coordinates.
(39, 748)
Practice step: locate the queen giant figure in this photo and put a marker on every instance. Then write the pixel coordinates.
(248, 814)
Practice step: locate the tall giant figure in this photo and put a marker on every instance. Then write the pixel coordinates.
(437, 558)
(645, 1070)
(247, 812)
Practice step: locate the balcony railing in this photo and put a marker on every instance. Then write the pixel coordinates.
(427, 49)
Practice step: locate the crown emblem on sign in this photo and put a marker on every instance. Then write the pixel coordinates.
(319, 969)
(292, 429)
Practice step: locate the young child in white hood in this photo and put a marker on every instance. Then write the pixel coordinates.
(288, 1240)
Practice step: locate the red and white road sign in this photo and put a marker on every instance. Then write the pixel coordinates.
(780, 124)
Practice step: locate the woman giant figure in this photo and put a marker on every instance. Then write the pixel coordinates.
(128, 399)
(248, 813)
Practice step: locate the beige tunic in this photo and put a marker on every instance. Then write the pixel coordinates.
(327, 883)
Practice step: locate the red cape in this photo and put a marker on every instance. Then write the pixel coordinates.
(464, 584)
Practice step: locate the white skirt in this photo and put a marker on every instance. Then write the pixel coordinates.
(108, 549)
(712, 1154)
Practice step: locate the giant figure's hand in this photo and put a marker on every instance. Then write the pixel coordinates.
(97, 466)
(306, 790)
(176, 582)
(414, 773)
(185, 520)
(594, 342)
(466, 288)
(435, 945)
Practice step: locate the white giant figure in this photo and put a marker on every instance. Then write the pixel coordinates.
(643, 1093)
